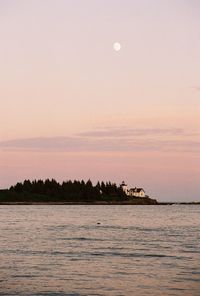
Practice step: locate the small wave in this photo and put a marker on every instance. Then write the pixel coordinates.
(24, 276)
(191, 279)
(195, 272)
(134, 255)
(56, 294)
(81, 239)
(82, 255)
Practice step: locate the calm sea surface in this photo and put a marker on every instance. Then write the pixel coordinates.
(135, 250)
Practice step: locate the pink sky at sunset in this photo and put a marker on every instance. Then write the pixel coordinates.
(73, 108)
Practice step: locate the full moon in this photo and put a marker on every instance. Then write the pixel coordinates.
(116, 46)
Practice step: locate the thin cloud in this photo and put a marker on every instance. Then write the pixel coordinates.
(71, 144)
(77, 144)
(131, 132)
(197, 88)
(46, 143)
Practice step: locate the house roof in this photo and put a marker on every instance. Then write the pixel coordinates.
(123, 184)
(137, 189)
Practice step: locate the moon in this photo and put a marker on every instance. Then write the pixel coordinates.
(117, 46)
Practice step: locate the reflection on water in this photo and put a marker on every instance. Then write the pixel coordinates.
(99, 250)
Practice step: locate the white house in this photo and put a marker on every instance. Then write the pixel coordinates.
(135, 192)
(138, 192)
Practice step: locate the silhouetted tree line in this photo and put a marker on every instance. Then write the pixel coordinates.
(70, 191)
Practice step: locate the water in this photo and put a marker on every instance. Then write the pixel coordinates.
(135, 250)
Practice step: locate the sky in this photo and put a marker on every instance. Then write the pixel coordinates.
(74, 108)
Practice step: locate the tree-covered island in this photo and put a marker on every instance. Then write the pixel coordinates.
(51, 191)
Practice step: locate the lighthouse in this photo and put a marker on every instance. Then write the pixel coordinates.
(124, 188)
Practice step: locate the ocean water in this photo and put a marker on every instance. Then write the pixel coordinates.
(100, 250)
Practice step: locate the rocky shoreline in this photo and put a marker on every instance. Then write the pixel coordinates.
(128, 202)
(100, 203)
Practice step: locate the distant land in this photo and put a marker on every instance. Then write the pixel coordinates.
(72, 192)
(77, 193)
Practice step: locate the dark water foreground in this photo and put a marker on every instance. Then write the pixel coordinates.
(100, 250)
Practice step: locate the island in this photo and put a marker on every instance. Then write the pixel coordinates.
(74, 192)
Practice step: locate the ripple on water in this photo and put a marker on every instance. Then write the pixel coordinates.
(134, 251)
